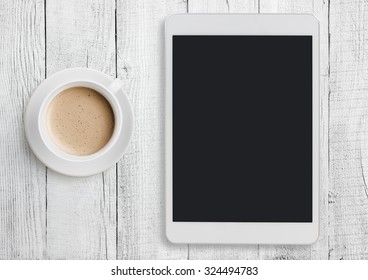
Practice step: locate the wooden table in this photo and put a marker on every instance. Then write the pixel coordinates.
(120, 213)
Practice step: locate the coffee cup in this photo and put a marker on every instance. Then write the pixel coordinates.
(79, 121)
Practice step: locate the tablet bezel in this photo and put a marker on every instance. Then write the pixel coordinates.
(227, 232)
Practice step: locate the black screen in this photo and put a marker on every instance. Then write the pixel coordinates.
(242, 128)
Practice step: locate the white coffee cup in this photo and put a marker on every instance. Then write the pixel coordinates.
(43, 145)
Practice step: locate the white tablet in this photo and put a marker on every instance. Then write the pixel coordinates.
(242, 128)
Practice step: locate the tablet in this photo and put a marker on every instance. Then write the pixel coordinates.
(242, 128)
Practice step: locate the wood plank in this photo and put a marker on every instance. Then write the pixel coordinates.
(223, 251)
(223, 6)
(22, 176)
(81, 212)
(348, 195)
(141, 174)
(318, 250)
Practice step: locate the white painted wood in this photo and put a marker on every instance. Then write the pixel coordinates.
(22, 176)
(318, 250)
(81, 212)
(223, 251)
(223, 6)
(348, 195)
(140, 175)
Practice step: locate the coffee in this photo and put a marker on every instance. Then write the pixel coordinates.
(80, 121)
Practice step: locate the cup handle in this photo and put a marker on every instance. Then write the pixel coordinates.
(115, 86)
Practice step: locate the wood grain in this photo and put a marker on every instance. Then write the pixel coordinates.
(140, 60)
(22, 176)
(223, 6)
(223, 251)
(120, 213)
(348, 196)
(81, 212)
(320, 9)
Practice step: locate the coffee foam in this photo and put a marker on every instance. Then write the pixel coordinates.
(80, 121)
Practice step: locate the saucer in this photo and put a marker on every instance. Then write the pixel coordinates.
(78, 166)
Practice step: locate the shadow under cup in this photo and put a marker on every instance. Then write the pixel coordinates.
(80, 121)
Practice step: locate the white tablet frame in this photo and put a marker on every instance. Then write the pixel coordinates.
(241, 233)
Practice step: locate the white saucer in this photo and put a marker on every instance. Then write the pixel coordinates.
(76, 167)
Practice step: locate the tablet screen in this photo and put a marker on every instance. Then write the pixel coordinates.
(242, 129)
